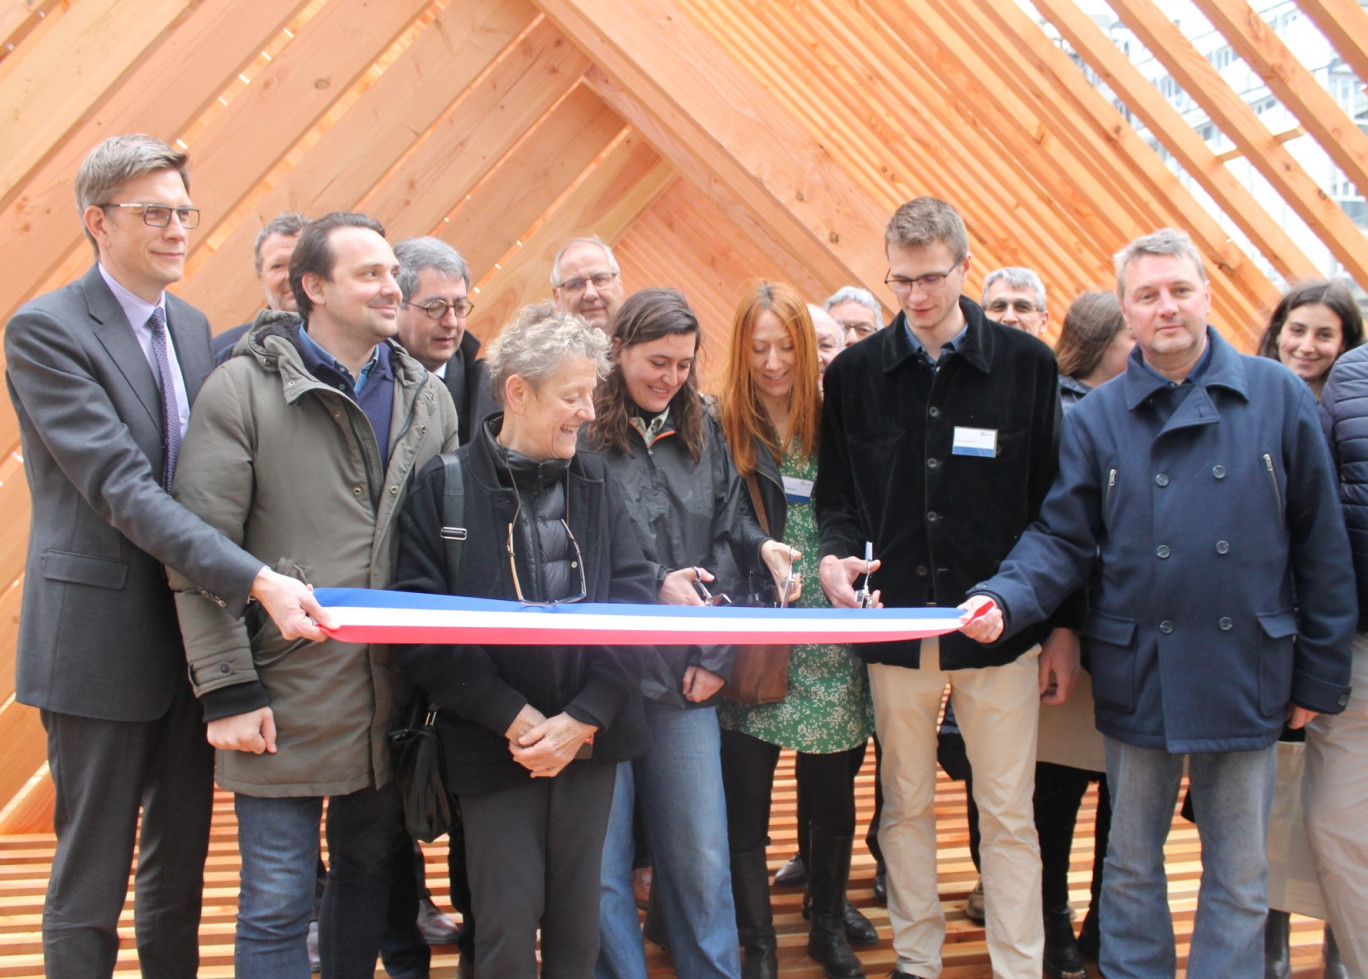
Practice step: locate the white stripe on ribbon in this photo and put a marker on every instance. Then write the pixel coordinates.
(363, 615)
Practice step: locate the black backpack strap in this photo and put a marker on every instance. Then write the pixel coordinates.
(453, 513)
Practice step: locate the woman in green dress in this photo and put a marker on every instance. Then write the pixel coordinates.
(771, 410)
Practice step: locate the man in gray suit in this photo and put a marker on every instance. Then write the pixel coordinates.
(102, 374)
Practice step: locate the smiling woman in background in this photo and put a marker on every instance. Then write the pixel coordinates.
(1312, 325)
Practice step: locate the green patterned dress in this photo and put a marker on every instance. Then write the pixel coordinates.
(827, 708)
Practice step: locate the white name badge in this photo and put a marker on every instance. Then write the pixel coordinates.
(797, 490)
(975, 442)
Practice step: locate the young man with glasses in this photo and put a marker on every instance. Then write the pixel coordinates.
(102, 374)
(303, 448)
(949, 409)
(585, 279)
(435, 284)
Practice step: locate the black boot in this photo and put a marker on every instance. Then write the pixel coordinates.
(754, 919)
(1090, 935)
(828, 873)
(1277, 961)
(859, 930)
(1334, 965)
(1063, 960)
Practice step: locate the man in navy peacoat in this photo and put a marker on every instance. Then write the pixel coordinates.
(1197, 502)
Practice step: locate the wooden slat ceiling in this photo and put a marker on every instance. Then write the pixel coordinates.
(713, 142)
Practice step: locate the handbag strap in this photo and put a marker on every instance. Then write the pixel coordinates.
(753, 485)
(453, 512)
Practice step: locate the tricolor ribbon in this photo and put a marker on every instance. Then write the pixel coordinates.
(365, 615)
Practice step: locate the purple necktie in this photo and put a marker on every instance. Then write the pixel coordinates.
(170, 409)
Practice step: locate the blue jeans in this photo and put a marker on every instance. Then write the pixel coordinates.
(1232, 795)
(679, 785)
(278, 840)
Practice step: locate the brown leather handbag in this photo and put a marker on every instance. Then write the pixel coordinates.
(760, 670)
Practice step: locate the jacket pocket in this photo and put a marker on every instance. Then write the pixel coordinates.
(1111, 657)
(82, 569)
(1277, 492)
(1277, 644)
(263, 635)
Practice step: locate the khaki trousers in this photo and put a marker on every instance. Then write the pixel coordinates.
(997, 709)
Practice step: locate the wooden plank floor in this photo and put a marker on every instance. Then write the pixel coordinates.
(24, 863)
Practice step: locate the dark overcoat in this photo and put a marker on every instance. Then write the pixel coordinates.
(1214, 549)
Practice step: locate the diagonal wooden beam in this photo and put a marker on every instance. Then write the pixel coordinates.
(794, 186)
(697, 172)
(405, 102)
(605, 201)
(484, 125)
(1204, 84)
(100, 40)
(1139, 181)
(1345, 25)
(1169, 128)
(490, 221)
(39, 227)
(1288, 79)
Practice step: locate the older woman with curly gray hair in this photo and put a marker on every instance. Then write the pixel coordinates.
(531, 735)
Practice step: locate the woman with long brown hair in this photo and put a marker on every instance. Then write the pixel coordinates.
(771, 413)
(687, 507)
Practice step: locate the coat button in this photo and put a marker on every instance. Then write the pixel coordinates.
(1166, 627)
(394, 490)
(921, 571)
(1162, 550)
(1343, 700)
(225, 669)
(1226, 623)
(931, 517)
(356, 490)
(1222, 547)
(933, 411)
(1218, 472)
(932, 463)
(1162, 479)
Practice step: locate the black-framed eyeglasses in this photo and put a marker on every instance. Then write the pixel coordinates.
(902, 285)
(436, 309)
(159, 215)
(601, 280)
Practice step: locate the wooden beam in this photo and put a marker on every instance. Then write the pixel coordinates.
(902, 123)
(39, 229)
(1139, 185)
(1267, 54)
(1286, 136)
(21, 19)
(1238, 121)
(735, 208)
(290, 95)
(1345, 25)
(481, 128)
(793, 184)
(88, 50)
(413, 93)
(605, 202)
(489, 222)
(1167, 125)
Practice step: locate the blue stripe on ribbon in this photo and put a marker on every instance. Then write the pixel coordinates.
(378, 598)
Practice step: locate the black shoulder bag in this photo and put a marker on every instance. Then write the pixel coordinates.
(429, 809)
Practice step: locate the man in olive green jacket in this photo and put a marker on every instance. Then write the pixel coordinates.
(301, 450)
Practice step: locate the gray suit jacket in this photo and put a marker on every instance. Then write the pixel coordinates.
(98, 635)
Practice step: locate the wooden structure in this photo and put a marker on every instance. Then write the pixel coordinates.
(24, 860)
(711, 141)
